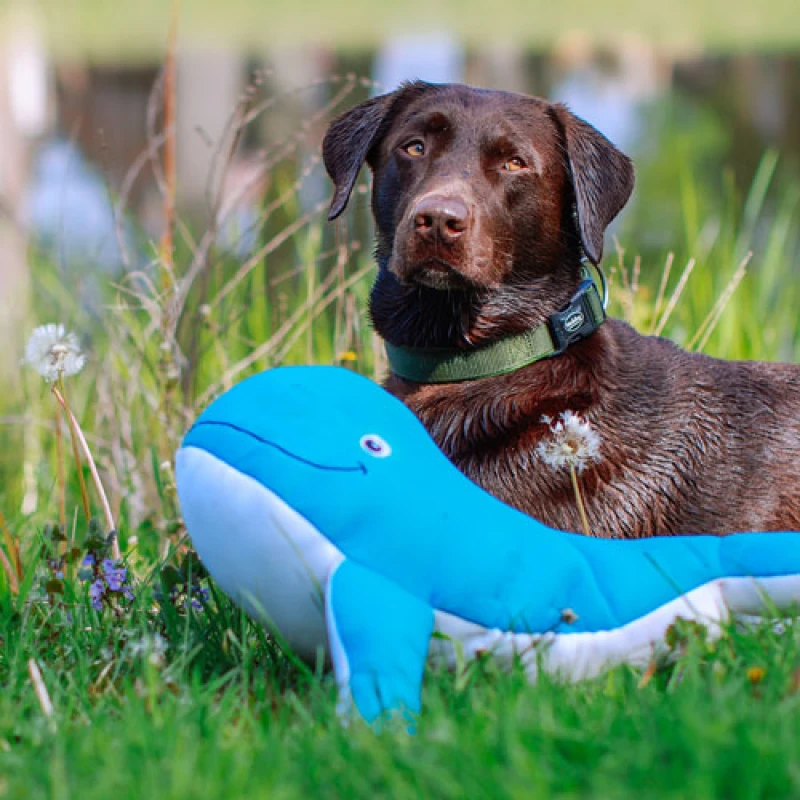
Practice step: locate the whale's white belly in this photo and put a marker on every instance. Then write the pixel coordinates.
(260, 551)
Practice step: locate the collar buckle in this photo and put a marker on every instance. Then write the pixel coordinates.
(579, 318)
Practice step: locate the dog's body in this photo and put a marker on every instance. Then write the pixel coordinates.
(485, 203)
(688, 443)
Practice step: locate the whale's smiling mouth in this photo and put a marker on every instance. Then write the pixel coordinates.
(359, 467)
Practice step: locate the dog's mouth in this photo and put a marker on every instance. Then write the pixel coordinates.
(434, 273)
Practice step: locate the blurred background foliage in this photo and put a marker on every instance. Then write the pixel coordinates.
(704, 96)
(106, 29)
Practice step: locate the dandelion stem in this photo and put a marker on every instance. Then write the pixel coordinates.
(75, 451)
(579, 499)
(93, 469)
(62, 490)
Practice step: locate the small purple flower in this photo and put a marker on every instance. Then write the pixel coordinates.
(127, 593)
(116, 579)
(199, 597)
(88, 560)
(96, 592)
(108, 565)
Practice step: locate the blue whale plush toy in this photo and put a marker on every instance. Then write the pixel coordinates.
(319, 503)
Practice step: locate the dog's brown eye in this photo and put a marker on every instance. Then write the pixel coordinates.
(415, 149)
(514, 164)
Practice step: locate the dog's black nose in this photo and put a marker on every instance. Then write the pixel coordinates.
(441, 216)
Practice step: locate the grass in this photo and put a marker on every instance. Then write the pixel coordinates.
(228, 717)
(157, 697)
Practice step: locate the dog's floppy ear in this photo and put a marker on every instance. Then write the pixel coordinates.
(346, 144)
(602, 178)
(353, 134)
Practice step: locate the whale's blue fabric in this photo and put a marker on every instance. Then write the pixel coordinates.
(359, 466)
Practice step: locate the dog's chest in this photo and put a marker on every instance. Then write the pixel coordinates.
(515, 445)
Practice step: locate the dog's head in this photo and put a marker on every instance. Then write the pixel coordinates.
(475, 188)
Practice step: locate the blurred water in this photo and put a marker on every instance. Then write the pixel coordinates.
(67, 207)
(94, 124)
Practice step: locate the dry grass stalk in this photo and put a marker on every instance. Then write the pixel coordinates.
(196, 297)
(257, 258)
(635, 275)
(296, 324)
(647, 675)
(662, 290)
(12, 546)
(326, 300)
(710, 322)
(629, 284)
(167, 247)
(620, 265)
(42, 695)
(675, 296)
(13, 572)
(13, 583)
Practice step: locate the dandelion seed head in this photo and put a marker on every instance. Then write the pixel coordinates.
(153, 646)
(54, 352)
(572, 442)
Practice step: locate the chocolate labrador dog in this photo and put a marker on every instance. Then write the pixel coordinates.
(487, 205)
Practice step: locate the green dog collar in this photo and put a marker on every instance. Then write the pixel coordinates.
(580, 318)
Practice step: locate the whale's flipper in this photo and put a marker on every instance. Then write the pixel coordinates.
(379, 637)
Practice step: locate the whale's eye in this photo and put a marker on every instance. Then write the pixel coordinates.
(375, 445)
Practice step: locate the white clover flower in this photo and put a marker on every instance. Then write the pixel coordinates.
(54, 352)
(572, 442)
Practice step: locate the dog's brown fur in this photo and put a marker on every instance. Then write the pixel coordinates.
(484, 202)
